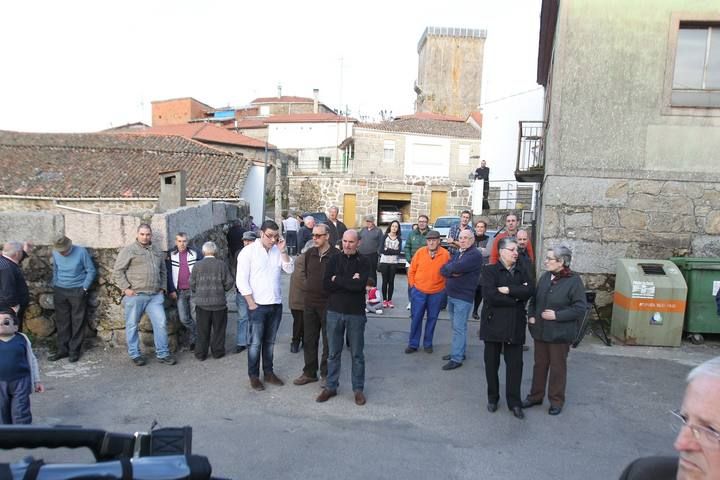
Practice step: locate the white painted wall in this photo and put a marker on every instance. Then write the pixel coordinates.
(427, 156)
(253, 192)
(308, 135)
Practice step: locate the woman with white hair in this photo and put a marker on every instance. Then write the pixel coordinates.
(554, 313)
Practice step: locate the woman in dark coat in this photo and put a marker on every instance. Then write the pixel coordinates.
(554, 314)
(506, 287)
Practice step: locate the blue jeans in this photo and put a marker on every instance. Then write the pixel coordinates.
(420, 303)
(15, 401)
(242, 320)
(186, 313)
(337, 323)
(459, 311)
(264, 323)
(135, 306)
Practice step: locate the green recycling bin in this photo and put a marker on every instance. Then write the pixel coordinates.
(649, 303)
(703, 280)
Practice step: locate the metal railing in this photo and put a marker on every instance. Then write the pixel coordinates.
(531, 147)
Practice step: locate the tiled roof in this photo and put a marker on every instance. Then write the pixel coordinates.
(432, 116)
(207, 132)
(102, 165)
(250, 124)
(307, 118)
(283, 99)
(425, 127)
(477, 116)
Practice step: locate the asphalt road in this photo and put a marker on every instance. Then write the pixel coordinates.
(420, 422)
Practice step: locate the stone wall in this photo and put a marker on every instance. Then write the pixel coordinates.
(104, 235)
(602, 220)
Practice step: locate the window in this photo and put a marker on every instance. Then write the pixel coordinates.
(389, 151)
(324, 163)
(696, 76)
(264, 110)
(464, 155)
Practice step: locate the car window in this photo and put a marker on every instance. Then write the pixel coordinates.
(446, 222)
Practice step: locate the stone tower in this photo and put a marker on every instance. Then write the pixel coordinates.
(450, 70)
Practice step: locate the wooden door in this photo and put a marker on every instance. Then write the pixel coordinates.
(349, 201)
(438, 205)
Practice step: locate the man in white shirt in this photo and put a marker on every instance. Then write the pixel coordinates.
(258, 280)
(290, 228)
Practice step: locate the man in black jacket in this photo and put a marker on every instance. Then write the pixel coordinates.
(345, 279)
(13, 288)
(506, 288)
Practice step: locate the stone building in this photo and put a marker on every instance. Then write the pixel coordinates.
(450, 68)
(417, 163)
(629, 151)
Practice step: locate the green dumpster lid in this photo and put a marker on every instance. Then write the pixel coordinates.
(701, 263)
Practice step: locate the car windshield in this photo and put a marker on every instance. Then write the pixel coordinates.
(405, 229)
(446, 222)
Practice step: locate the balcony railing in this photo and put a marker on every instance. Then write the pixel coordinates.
(530, 165)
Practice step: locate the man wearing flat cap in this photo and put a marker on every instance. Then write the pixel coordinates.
(73, 273)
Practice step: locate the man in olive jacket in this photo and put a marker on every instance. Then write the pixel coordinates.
(506, 288)
(140, 272)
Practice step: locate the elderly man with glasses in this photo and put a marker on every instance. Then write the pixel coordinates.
(506, 288)
(698, 440)
(258, 279)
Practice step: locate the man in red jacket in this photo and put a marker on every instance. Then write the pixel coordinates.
(511, 230)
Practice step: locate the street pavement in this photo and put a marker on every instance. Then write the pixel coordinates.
(419, 423)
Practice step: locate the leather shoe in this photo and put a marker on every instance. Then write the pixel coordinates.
(410, 350)
(476, 316)
(73, 357)
(139, 361)
(256, 384)
(325, 395)
(57, 356)
(527, 403)
(240, 348)
(518, 413)
(294, 347)
(451, 365)
(555, 410)
(492, 407)
(272, 379)
(360, 398)
(448, 357)
(428, 349)
(304, 380)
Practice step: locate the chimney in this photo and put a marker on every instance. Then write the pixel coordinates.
(172, 190)
(316, 101)
(279, 90)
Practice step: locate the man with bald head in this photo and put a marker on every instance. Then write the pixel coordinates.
(13, 288)
(698, 440)
(345, 278)
(305, 234)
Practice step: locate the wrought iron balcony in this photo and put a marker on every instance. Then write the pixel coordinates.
(530, 165)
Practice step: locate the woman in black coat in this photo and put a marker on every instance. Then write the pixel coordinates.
(554, 314)
(506, 287)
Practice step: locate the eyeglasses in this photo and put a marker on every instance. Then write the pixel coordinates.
(550, 259)
(275, 237)
(509, 249)
(707, 437)
(318, 235)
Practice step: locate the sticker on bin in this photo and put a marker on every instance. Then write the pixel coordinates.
(643, 289)
(716, 287)
(656, 319)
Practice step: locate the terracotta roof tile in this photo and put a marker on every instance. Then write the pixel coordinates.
(283, 99)
(425, 127)
(308, 118)
(477, 117)
(207, 132)
(102, 165)
(431, 116)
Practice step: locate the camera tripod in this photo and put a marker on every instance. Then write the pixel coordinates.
(593, 324)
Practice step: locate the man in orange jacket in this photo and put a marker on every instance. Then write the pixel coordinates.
(427, 291)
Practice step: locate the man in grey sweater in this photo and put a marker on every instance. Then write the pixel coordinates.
(209, 281)
(141, 274)
(371, 239)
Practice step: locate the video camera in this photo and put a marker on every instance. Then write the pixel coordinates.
(164, 453)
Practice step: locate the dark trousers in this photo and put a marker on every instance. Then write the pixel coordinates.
(15, 401)
(478, 299)
(373, 257)
(298, 326)
(211, 326)
(70, 321)
(388, 279)
(314, 319)
(513, 372)
(291, 237)
(550, 358)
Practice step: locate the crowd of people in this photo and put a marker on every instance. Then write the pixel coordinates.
(333, 288)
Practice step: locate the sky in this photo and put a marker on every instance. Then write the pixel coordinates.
(78, 66)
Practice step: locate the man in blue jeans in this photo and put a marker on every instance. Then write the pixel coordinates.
(141, 274)
(345, 277)
(462, 273)
(258, 279)
(243, 315)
